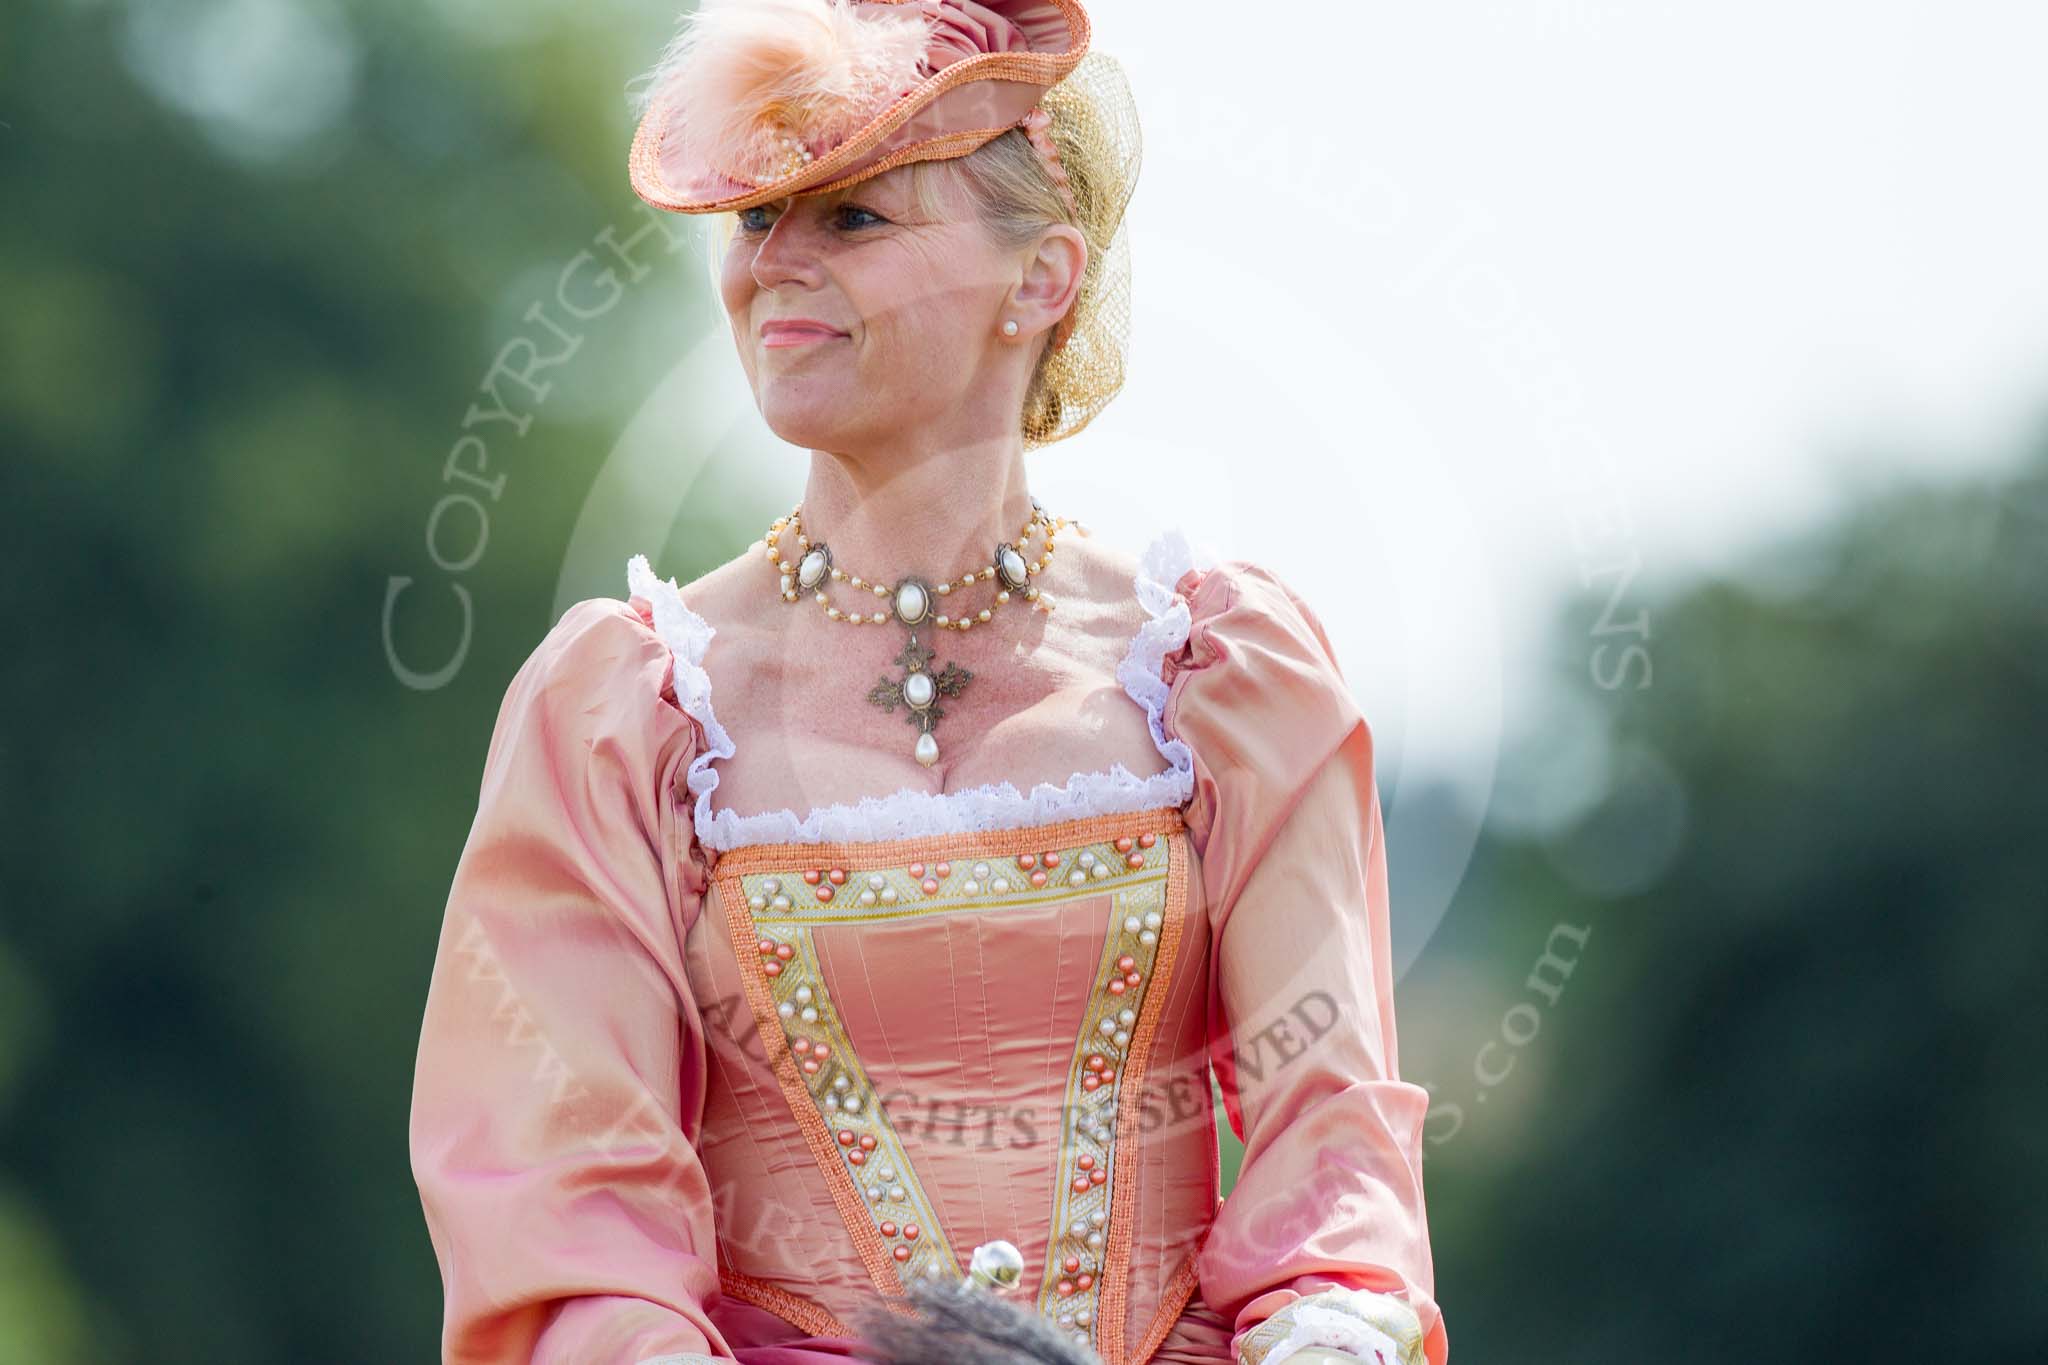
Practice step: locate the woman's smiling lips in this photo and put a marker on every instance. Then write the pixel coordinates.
(779, 332)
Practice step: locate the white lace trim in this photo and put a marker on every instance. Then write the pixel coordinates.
(909, 812)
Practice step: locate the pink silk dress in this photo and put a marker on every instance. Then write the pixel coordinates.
(695, 1085)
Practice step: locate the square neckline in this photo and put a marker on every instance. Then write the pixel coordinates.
(910, 812)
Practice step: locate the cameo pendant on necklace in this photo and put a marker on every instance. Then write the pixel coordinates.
(919, 689)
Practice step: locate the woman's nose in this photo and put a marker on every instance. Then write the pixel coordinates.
(787, 254)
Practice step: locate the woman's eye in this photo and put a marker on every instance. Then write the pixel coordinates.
(755, 221)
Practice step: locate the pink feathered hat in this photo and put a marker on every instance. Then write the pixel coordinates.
(756, 100)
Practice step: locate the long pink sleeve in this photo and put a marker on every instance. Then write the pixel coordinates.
(560, 1074)
(1286, 816)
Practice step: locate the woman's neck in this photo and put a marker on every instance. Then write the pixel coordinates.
(930, 516)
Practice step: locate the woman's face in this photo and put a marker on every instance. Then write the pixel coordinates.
(860, 319)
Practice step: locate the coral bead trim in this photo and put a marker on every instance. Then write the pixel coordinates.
(910, 813)
(841, 894)
(1093, 1199)
(1380, 1328)
(1134, 867)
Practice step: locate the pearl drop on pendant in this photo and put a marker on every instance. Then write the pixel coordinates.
(927, 750)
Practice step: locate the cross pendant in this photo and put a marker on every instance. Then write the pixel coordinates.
(918, 691)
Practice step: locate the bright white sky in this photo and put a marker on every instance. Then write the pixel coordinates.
(1711, 264)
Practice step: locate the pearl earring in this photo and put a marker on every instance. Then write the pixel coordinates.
(1009, 327)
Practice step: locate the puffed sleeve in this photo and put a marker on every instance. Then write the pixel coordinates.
(1324, 1239)
(560, 1076)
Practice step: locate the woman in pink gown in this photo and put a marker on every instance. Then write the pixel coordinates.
(749, 1013)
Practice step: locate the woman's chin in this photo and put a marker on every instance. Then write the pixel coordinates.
(814, 421)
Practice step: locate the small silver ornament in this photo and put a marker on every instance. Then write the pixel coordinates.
(995, 1265)
(812, 568)
(1010, 566)
(913, 601)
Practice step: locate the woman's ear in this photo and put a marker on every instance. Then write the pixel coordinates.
(1052, 277)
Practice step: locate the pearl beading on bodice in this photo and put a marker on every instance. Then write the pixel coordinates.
(1123, 877)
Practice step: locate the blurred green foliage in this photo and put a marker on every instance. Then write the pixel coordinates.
(1786, 1108)
(1782, 1110)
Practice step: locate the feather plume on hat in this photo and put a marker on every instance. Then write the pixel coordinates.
(745, 77)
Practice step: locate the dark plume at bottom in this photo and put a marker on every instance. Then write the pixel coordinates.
(959, 1325)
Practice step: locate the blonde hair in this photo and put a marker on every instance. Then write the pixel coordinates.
(1016, 200)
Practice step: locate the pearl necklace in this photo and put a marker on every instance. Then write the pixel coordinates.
(912, 599)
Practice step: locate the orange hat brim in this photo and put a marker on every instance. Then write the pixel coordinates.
(950, 113)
